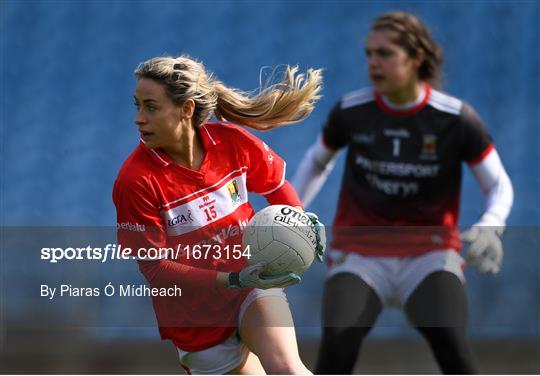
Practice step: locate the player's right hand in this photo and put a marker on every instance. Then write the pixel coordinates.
(250, 277)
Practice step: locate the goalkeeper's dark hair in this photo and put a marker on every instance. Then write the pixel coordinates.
(289, 100)
(414, 36)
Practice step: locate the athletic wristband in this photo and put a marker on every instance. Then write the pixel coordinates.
(234, 280)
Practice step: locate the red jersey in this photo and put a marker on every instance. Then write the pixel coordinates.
(162, 204)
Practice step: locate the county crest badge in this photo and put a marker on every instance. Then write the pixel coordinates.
(233, 191)
(429, 147)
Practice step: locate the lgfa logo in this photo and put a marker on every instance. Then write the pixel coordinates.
(181, 219)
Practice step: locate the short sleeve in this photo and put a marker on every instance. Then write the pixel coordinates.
(476, 141)
(335, 134)
(139, 224)
(266, 169)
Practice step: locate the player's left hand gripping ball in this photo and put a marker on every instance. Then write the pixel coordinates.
(321, 236)
(251, 277)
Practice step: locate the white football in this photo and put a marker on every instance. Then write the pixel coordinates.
(283, 237)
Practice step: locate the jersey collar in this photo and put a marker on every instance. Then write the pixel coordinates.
(404, 109)
(208, 139)
(157, 155)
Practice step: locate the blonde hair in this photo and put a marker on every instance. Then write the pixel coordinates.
(288, 101)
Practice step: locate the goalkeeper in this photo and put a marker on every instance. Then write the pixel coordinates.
(395, 240)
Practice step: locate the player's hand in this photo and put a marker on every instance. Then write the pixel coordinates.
(485, 252)
(321, 236)
(250, 277)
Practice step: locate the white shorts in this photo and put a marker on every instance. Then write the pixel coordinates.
(395, 278)
(229, 354)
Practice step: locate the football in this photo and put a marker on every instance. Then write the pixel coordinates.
(283, 237)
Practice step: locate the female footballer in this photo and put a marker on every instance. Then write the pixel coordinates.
(185, 190)
(395, 240)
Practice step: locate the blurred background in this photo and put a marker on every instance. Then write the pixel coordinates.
(67, 125)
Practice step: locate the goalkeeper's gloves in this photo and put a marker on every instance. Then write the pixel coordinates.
(250, 277)
(485, 252)
(320, 232)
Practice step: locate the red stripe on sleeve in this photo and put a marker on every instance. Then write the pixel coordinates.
(482, 156)
(285, 195)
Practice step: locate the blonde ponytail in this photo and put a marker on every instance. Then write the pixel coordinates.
(288, 101)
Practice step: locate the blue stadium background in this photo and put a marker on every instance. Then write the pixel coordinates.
(67, 111)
